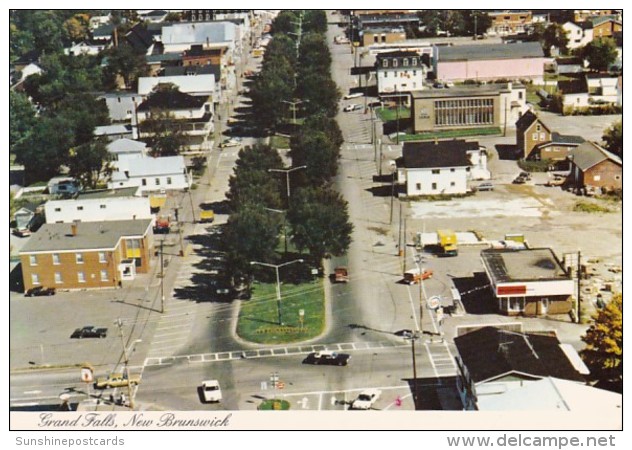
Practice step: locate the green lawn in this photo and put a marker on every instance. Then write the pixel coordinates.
(462, 132)
(388, 114)
(279, 142)
(258, 317)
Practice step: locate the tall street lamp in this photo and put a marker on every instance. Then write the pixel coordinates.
(278, 283)
(287, 177)
(418, 261)
(284, 212)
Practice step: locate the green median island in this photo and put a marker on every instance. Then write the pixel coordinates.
(302, 313)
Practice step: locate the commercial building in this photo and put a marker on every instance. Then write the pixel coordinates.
(528, 282)
(399, 72)
(87, 255)
(509, 22)
(468, 106)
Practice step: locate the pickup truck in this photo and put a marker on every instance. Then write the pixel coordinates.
(116, 380)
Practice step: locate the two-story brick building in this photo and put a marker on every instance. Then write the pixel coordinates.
(87, 255)
(509, 22)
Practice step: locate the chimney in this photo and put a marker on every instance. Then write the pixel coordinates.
(73, 228)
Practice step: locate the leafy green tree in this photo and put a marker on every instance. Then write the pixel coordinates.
(268, 91)
(555, 36)
(604, 343)
(125, 62)
(476, 22)
(21, 117)
(320, 93)
(162, 133)
(47, 36)
(316, 151)
(320, 222)
(280, 47)
(314, 55)
(432, 21)
(76, 28)
(600, 53)
(326, 124)
(87, 163)
(251, 234)
(285, 22)
(613, 137)
(315, 20)
(454, 23)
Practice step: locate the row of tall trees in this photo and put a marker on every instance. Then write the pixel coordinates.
(312, 216)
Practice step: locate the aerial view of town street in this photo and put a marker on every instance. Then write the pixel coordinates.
(325, 211)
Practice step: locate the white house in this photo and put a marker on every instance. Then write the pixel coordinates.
(122, 105)
(98, 206)
(121, 149)
(179, 37)
(196, 85)
(152, 174)
(85, 48)
(399, 71)
(578, 36)
(194, 115)
(115, 131)
(592, 89)
(435, 168)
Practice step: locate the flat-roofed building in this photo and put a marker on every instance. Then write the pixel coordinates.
(530, 282)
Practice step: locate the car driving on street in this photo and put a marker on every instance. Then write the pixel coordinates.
(116, 380)
(89, 332)
(327, 357)
(352, 107)
(211, 391)
(39, 291)
(366, 399)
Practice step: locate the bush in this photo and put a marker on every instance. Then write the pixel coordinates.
(535, 166)
(590, 208)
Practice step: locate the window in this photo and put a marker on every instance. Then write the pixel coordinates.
(535, 136)
(520, 95)
(418, 186)
(104, 275)
(515, 303)
(168, 180)
(79, 208)
(405, 62)
(35, 279)
(414, 73)
(79, 258)
(102, 257)
(436, 171)
(385, 63)
(103, 206)
(617, 177)
(597, 178)
(157, 181)
(33, 260)
(538, 128)
(144, 182)
(452, 170)
(56, 259)
(57, 209)
(58, 279)
(81, 277)
(414, 61)
(434, 186)
(394, 63)
(452, 184)
(543, 136)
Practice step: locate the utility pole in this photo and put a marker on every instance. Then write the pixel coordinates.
(162, 277)
(404, 243)
(579, 285)
(119, 323)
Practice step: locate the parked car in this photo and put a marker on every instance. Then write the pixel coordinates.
(525, 175)
(406, 334)
(116, 380)
(366, 399)
(21, 232)
(89, 332)
(438, 85)
(519, 180)
(353, 95)
(327, 357)
(39, 291)
(352, 107)
(211, 391)
(485, 187)
(231, 142)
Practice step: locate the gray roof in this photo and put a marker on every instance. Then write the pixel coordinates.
(126, 146)
(523, 265)
(107, 193)
(426, 155)
(590, 154)
(483, 52)
(469, 90)
(57, 237)
(163, 58)
(145, 167)
(558, 138)
(112, 129)
(198, 33)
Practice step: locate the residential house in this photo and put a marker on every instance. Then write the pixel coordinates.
(528, 282)
(140, 39)
(531, 131)
(509, 22)
(592, 166)
(126, 148)
(87, 255)
(468, 106)
(517, 61)
(97, 21)
(399, 72)
(192, 81)
(581, 15)
(152, 175)
(24, 216)
(192, 114)
(569, 65)
(154, 16)
(554, 394)
(435, 168)
(122, 106)
(605, 26)
(557, 150)
(99, 206)
(578, 35)
(589, 90)
(101, 39)
(492, 361)
(156, 62)
(197, 55)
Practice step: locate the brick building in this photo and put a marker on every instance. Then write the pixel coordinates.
(87, 255)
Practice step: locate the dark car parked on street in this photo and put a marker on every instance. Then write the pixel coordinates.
(39, 291)
(89, 332)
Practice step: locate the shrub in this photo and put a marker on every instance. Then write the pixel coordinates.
(590, 208)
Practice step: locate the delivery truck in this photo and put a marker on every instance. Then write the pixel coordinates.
(447, 242)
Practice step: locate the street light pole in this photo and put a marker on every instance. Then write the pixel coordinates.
(280, 211)
(278, 282)
(119, 323)
(287, 177)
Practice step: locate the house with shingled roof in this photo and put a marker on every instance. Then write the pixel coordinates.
(592, 166)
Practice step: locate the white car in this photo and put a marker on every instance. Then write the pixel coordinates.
(211, 391)
(232, 142)
(366, 399)
(352, 107)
